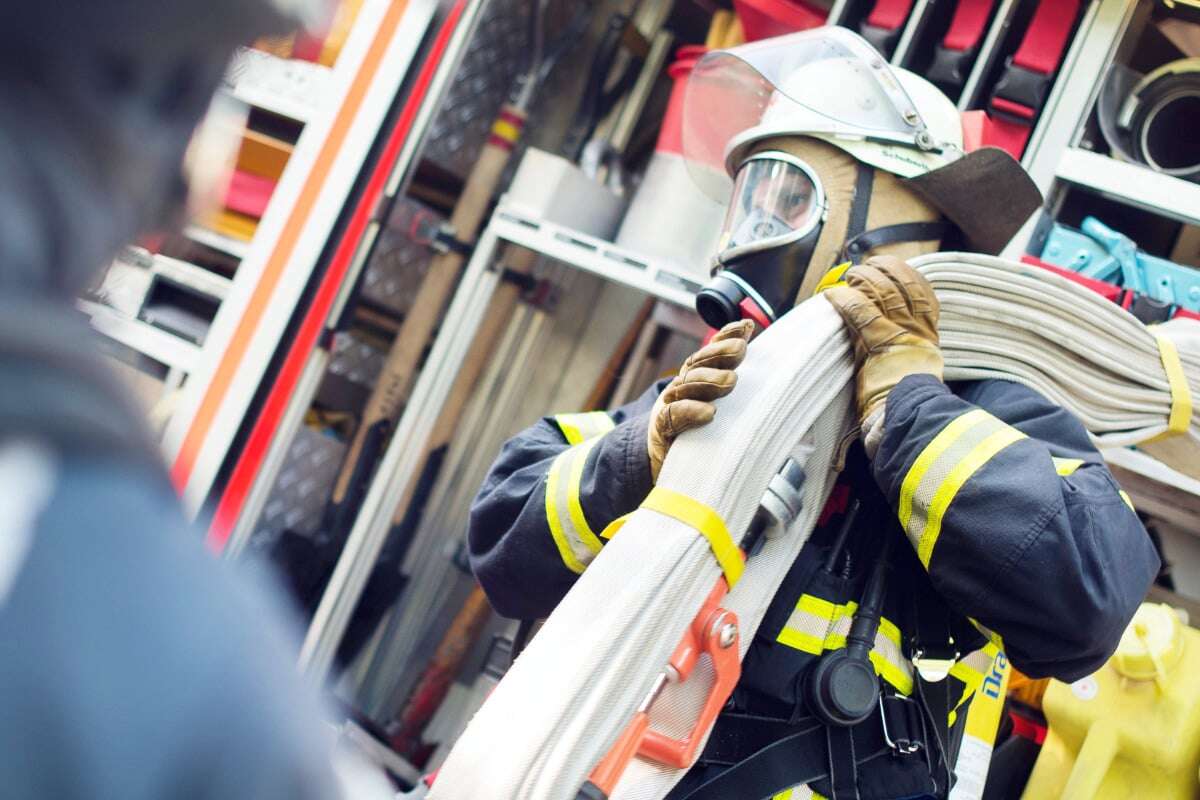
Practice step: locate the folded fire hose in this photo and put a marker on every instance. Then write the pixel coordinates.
(581, 681)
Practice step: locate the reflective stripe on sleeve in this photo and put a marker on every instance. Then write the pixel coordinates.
(797, 793)
(817, 625)
(576, 543)
(941, 469)
(578, 428)
(1066, 466)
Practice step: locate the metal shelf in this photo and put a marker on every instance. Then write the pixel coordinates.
(1155, 488)
(343, 109)
(1149, 467)
(146, 339)
(289, 87)
(1132, 183)
(596, 256)
(192, 276)
(398, 468)
(217, 241)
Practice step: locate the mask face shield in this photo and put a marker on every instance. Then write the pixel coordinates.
(828, 81)
(776, 199)
(772, 227)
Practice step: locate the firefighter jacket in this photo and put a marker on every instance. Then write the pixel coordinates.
(1017, 538)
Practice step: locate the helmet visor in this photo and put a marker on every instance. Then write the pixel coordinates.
(776, 199)
(827, 81)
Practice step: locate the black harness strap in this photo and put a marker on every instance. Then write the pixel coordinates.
(796, 759)
(934, 640)
(864, 183)
(858, 246)
(843, 766)
(766, 755)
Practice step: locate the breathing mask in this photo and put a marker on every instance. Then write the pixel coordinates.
(774, 219)
(828, 154)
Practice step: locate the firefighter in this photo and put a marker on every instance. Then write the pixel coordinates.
(978, 512)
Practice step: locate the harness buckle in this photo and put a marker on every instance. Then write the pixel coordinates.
(901, 745)
(1020, 93)
(934, 667)
(950, 68)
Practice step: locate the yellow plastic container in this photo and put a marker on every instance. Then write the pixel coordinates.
(1132, 729)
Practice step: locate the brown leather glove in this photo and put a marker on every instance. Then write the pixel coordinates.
(892, 315)
(687, 401)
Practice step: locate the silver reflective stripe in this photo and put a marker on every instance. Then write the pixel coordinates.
(941, 469)
(972, 669)
(979, 661)
(576, 543)
(578, 428)
(816, 625)
(27, 474)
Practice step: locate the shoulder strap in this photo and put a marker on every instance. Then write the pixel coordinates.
(858, 246)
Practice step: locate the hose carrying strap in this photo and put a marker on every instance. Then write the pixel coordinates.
(704, 520)
(1180, 418)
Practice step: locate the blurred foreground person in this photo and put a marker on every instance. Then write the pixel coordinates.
(132, 664)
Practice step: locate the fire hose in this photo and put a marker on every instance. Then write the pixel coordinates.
(599, 662)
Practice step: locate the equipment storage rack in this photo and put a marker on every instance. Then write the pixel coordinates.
(341, 109)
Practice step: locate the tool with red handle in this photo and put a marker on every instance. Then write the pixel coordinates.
(714, 632)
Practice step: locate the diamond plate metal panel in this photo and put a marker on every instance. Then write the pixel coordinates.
(401, 256)
(494, 58)
(305, 482)
(355, 360)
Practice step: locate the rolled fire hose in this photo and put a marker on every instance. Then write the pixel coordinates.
(580, 681)
(1149, 118)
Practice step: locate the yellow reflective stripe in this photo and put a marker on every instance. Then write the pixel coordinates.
(552, 518)
(833, 278)
(889, 631)
(946, 437)
(614, 526)
(576, 543)
(577, 428)
(817, 625)
(941, 469)
(809, 624)
(797, 793)
(799, 640)
(983, 717)
(1125, 497)
(992, 637)
(1066, 466)
(899, 679)
(945, 494)
(574, 506)
(971, 670)
(708, 523)
(1180, 418)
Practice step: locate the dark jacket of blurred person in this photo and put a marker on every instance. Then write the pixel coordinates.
(132, 664)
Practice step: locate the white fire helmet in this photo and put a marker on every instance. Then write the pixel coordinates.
(828, 83)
